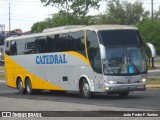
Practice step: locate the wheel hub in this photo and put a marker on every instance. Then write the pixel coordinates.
(86, 89)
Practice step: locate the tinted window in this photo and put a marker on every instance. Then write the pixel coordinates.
(30, 46)
(13, 48)
(7, 47)
(93, 51)
(77, 39)
(62, 43)
(20, 47)
(41, 45)
(73, 41)
(51, 43)
(119, 37)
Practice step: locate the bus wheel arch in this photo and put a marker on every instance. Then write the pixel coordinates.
(28, 85)
(20, 85)
(84, 88)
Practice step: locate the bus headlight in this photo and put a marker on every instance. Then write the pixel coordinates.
(112, 82)
(143, 79)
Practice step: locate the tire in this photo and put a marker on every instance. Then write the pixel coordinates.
(124, 94)
(85, 89)
(28, 85)
(20, 87)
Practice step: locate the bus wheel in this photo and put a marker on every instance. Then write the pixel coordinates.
(85, 90)
(124, 94)
(21, 90)
(29, 89)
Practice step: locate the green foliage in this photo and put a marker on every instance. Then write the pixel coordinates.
(154, 81)
(60, 19)
(39, 26)
(156, 15)
(123, 12)
(71, 12)
(78, 8)
(149, 30)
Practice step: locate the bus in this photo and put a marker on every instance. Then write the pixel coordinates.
(86, 59)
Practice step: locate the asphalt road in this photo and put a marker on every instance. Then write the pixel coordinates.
(149, 99)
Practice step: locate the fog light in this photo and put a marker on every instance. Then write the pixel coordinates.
(107, 88)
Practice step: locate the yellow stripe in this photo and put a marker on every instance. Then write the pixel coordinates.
(13, 70)
(79, 56)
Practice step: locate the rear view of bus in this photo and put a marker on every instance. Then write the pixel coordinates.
(123, 59)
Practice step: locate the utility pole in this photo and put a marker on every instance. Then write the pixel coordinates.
(152, 20)
(9, 19)
(152, 9)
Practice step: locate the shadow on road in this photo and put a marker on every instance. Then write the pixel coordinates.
(62, 96)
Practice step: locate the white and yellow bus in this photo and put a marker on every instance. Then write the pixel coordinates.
(87, 59)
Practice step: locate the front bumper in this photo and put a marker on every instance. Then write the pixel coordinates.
(113, 88)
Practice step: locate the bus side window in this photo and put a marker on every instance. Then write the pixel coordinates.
(41, 45)
(20, 47)
(13, 48)
(97, 61)
(93, 51)
(30, 46)
(77, 41)
(7, 47)
(50, 43)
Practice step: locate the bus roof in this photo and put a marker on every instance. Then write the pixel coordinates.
(66, 29)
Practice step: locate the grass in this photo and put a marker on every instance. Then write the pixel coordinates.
(157, 62)
(154, 81)
(2, 76)
(1, 68)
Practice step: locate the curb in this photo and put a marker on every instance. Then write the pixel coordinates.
(2, 81)
(153, 86)
(156, 70)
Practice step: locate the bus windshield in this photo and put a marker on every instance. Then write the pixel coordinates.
(124, 54)
(130, 60)
(120, 38)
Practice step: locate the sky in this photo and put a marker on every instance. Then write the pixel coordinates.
(24, 13)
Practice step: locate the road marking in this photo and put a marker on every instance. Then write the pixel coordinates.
(2, 81)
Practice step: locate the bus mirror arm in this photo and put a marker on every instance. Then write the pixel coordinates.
(102, 51)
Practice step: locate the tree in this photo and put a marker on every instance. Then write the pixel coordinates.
(149, 30)
(60, 19)
(76, 8)
(39, 26)
(71, 12)
(156, 15)
(123, 13)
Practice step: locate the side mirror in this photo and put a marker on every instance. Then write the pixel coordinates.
(152, 49)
